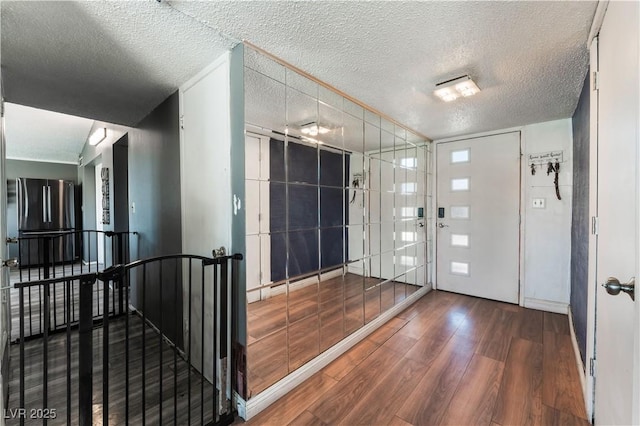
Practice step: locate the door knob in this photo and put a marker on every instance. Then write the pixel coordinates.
(442, 225)
(10, 263)
(614, 287)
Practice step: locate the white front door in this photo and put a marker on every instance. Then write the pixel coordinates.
(618, 328)
(478, 216)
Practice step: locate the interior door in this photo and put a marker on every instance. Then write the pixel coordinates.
(478, 216)
(617, 256)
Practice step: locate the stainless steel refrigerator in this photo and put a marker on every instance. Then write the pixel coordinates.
(46, 219)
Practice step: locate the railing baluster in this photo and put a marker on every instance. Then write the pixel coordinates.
(85, 352)
(216, 355)
(160, 367)
(126, 283)
(45, 349)
(202, 349)
(175, 346)
(105, 352)
(30, 313)
(144, 346)
(122, 261)
(189, 348)
(22, 372)
(68, 288)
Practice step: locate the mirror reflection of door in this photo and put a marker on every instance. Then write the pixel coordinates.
(99, 225)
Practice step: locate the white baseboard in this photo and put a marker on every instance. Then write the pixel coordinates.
(276, 391)
(582, 372)
(546, 305)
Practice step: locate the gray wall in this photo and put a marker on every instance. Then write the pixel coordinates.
(32, 169)
(580, 219)
(154, 187)
(238, 225)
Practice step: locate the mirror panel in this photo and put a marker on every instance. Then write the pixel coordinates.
(333, 234)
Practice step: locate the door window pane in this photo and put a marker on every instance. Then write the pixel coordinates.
(460, 268)
(459, 240)
(460, 184)
(461, 156)
(459, 212)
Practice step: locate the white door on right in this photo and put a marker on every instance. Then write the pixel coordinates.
(478, 216)
(617, 316)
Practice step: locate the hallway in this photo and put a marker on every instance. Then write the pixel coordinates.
(447, 359)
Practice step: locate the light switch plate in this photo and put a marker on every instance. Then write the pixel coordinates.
(538, 203)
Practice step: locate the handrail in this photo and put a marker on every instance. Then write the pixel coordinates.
(66, 278)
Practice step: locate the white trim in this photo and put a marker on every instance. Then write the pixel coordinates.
(582, 372)
(635, 415)
(276, 391)
(593, 239)
(598, 18)
(546, 305)
(37, 160)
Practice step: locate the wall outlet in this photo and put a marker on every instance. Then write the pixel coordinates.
(538, 203)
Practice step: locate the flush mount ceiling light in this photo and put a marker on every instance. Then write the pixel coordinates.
(451, 90)
(98, 136)
(313, 129)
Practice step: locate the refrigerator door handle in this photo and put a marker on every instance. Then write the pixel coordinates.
(44, 204)
(49, 203)
(21, 203)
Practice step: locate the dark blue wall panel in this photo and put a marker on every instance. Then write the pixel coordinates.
(580, 219)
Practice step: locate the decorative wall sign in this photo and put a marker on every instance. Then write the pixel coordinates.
(106, 216)
(546, 157)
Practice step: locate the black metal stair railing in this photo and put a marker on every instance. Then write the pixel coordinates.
(49, 263)
(166, 358)
(46, 255)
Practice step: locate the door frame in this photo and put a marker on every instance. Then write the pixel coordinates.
(434, 207)
(589, 380)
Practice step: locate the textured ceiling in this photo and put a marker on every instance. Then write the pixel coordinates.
(36, 134)
(115, 61)
(112, 61)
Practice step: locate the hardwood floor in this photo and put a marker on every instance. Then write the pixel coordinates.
(185, 388)
(448, 359)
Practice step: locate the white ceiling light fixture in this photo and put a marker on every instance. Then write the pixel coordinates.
(451, 90)
(313, 129)
(98, 136)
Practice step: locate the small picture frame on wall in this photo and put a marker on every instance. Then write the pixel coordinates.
(106, 215)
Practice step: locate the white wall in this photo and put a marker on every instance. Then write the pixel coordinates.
(205, 146)
(546, 268)
(545, 233)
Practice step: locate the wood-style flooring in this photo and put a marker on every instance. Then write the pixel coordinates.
(173, 393)
(289, 329)
(448, 359)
